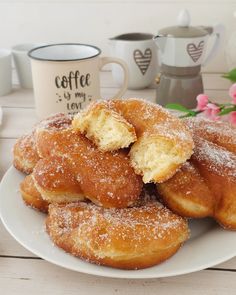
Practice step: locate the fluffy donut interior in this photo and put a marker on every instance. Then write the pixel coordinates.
(109, 130)
(154, 156)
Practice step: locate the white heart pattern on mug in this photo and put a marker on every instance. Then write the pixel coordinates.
(195, 51)
(143, 60)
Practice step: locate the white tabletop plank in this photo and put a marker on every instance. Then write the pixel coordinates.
(41, 277)
(18, 98)
(17, 121)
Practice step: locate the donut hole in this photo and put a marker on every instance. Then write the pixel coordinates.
(155, 158)
(107, 129)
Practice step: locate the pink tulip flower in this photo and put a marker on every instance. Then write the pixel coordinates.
(212, 111)
(232, 118)
(232, 92)
(202, 101)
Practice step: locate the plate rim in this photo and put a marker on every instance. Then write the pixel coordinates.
(125, 274)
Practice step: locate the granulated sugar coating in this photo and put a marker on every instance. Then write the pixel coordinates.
(217, 159)
(25, 153)
(215, 145)
(218, 132)
(124, 238)
(105, 178)
(153, 116)
(206, 185)
(163, 142)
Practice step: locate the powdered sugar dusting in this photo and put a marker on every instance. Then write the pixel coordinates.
(218, 159)
(149, 222)
(104, 177)
(150, 118)
(180, 134)
(219, 131)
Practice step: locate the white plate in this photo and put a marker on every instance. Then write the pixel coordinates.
(209, 244)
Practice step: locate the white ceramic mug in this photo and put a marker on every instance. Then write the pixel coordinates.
(66, 77)
(5, 72)
(139, 51)
(22, 63)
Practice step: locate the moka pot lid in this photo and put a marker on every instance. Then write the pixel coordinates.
(183, 29)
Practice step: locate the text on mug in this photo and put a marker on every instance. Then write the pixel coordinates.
(73, 80)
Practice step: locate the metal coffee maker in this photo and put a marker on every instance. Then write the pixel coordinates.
(182, 51)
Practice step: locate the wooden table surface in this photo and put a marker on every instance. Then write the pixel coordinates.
(21, 272)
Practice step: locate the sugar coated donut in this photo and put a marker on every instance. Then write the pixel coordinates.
(32, 196)
(56, 181)
(70, 160)
(130, 238)
(206, 184)
(163, 142)
(25, 153)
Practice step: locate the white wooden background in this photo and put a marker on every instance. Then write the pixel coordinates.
(94, 21)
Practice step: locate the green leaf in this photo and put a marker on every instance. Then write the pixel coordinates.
(231, 75)
(226, 111)
(176, 106)
(188, 115)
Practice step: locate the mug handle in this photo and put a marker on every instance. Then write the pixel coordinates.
(107, 60)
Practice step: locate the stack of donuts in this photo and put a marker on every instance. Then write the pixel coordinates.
(105, 177)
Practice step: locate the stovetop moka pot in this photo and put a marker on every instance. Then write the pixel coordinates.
(182, 51)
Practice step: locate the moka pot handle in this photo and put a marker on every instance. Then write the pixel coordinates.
(217, 31)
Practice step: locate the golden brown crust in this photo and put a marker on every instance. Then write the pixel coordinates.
(71, 167)
(25, 154)
(26, 151)
(187, 194)
(218, 167)
(50, 136)
(56, 181)
(163, 142)
(218, 132)
(206, 186)
(130, 238)
(31, 195)
(105, 178)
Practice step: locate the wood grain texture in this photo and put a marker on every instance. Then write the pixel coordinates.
(41, 277)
